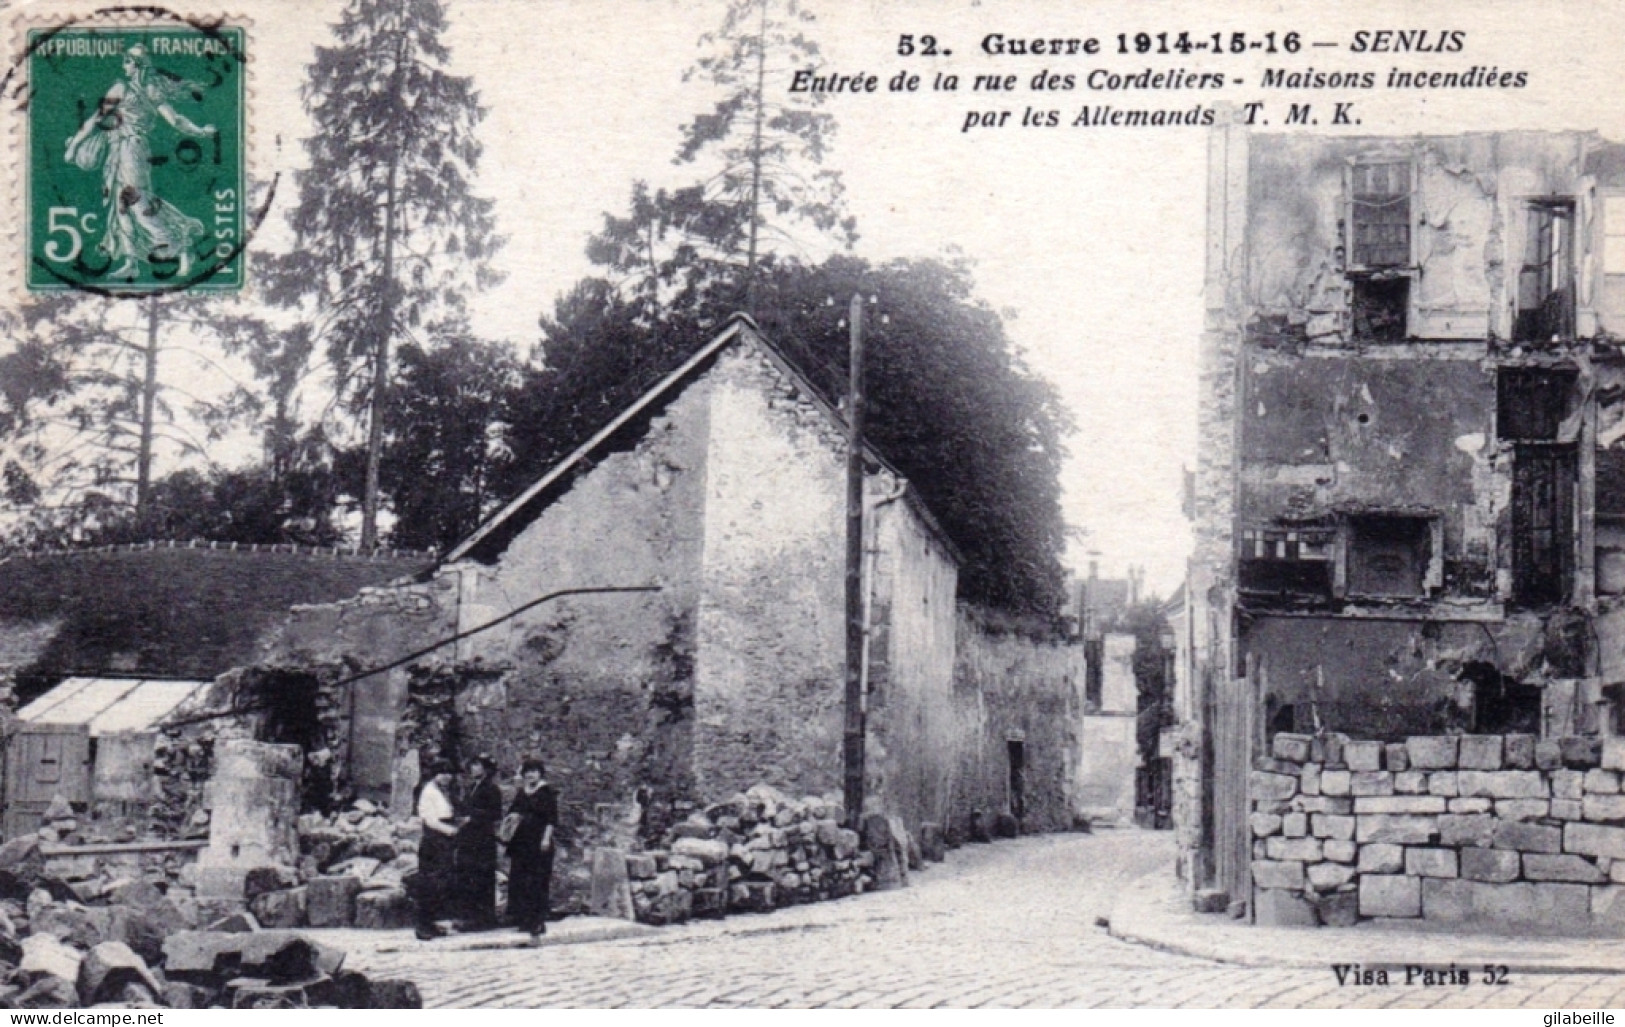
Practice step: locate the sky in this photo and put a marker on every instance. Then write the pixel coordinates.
(1090, 238)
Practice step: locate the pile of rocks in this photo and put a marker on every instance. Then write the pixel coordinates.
(124, 944)
(754, 852)
(181, 767)
(1508, 830)
(93, 858)
(350, 873)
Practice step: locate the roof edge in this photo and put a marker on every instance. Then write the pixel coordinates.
(739, 326)
(558, 470)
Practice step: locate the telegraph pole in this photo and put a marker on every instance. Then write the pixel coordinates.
(855, 620)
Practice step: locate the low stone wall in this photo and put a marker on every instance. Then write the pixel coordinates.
(753, 853)
(1504, 831)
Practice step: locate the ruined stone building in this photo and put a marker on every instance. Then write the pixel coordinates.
(1410, 496)
(97, 646)
(723, 488)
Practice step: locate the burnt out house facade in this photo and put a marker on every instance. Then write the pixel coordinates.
(1410, 496)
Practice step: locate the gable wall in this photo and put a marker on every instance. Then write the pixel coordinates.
(771, 629)
(600, 686)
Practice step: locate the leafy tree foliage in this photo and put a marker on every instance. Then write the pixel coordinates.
(389, 236)
(950, 401)
(446, 439)
(246, 505)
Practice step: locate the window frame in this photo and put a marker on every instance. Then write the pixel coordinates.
(1430, 565)
(1358, 273)
(1558, 262)
(1352, 204)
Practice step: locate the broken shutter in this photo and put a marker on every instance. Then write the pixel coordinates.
(1380, 214)
(1543, 479)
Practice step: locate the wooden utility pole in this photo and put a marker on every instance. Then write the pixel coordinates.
(149, 410)
(855, 619)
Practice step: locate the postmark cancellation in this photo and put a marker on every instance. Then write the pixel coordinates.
(133, 169)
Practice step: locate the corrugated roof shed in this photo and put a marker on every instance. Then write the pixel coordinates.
(110, 705)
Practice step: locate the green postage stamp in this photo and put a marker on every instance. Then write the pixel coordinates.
(135, 158)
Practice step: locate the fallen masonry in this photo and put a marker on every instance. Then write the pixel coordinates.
(755, 852)
(134, 946)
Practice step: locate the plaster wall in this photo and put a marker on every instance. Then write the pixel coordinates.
(770, 626)
(913, 729)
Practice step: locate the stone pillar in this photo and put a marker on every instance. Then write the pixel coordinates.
(253, 801)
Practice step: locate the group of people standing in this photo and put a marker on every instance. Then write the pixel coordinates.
(457, 858)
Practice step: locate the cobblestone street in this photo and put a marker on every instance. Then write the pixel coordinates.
(1011, 924)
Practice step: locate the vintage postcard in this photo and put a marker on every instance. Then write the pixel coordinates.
(812, 504)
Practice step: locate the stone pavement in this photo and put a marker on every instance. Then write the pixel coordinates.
(1153, 912)
(1016, 923)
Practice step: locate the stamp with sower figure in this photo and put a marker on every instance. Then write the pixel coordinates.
(135, 158)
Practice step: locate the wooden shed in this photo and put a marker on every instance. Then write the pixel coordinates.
(88, 740)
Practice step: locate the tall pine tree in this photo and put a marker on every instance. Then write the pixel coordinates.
(765, 189)
(389, 236)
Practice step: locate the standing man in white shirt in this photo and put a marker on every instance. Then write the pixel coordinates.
(435, 850)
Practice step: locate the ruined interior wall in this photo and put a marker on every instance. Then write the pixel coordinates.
(911, 722)
(1466, 217)
(1007, 688)
(1325, 435)
(1372, 679)
(376, 627)
(771, 627)
(1605, 166)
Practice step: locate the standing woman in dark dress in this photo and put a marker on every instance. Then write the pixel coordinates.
(530, 850)
(476, 846)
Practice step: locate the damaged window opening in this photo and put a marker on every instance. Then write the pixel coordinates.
(1501, 705)
(1378, 308)
(1380, 215)
(1546, 281)
(1543, 479)
(1286, 563)
(1531, 403)
(1388, 554)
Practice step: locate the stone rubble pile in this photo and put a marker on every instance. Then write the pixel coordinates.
(755, 852)
(78, 940)
(1506, 830)
(181, 767)
(92, 877)
(350, 873)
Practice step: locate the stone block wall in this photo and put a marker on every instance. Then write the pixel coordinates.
(1495, 830)
(753, 853)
